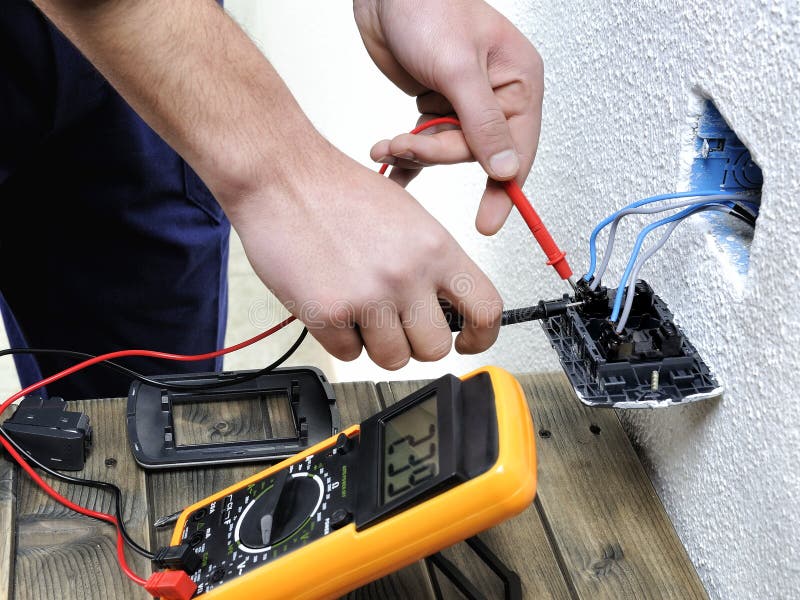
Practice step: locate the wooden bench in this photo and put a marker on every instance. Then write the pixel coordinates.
(596, 529)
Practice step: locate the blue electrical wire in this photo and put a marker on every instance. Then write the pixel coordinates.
(631, 292)
(640, 240)
(673, 196)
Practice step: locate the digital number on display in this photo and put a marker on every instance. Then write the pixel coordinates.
(410, 449)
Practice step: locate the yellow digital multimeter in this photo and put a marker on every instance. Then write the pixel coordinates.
(450, 460)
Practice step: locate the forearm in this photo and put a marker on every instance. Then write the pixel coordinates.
(196, 79)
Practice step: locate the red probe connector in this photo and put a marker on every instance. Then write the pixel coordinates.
(556, 258)
(171, 585)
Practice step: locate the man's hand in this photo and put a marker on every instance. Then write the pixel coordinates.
(462, 57)
(357, 259)
(348, 251)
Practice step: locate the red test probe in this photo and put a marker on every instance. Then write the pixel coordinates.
(556, 258)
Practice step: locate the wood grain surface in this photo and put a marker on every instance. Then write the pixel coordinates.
(61, 554)
(8, 507)
(239, 418)
(612, 535)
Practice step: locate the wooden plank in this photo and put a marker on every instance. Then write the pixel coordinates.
(613, 536)
(356, 401)
(69, 558)
(394, 391)
(523, 546)
(8, 505)
(64, 555)
(232, 419)
(521, 543)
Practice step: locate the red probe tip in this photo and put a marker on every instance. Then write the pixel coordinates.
(171, 585)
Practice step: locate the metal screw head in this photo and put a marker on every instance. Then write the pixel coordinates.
(111, 462)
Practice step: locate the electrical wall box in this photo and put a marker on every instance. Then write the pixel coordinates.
(649, 364)
(721, 160)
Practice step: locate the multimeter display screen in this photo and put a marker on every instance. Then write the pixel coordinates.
(410, 449)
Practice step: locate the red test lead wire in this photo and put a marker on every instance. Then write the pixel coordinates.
(556, 258)
(87, 363)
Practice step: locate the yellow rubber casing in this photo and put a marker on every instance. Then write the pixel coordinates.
(346, 559)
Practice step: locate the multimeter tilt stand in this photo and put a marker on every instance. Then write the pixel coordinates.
(450, 460)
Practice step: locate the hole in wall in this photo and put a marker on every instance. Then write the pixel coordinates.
(719, 160)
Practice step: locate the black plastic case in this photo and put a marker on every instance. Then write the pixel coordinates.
(151, 429)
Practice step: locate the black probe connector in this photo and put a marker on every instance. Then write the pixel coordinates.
(543, 310)
(181, 557)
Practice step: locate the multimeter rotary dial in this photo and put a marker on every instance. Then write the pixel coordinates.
(279, 511)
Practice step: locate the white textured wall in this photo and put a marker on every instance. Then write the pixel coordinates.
(621, 79)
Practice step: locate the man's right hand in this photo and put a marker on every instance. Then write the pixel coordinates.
(359, 260)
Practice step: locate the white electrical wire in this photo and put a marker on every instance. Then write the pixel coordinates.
(630, 292)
